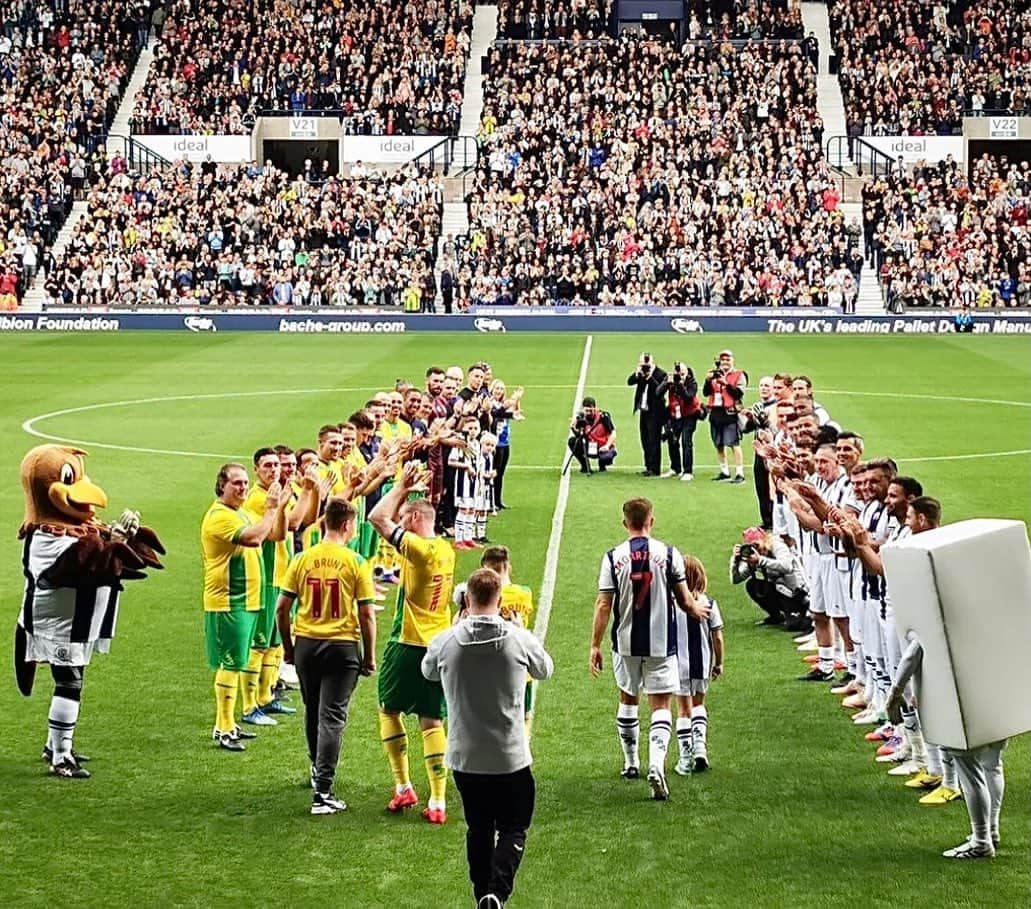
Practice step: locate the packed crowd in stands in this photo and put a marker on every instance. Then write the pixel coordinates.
(634, 172)
(536, 20)
(250, 235)
(914, 67)
(62, 70)
(389, 68)
(940, 238)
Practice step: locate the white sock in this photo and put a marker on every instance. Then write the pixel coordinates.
(914, 734)
(724, 469)
(850, 661)
(826, 661)
(859, 662)
(839, 648)
(464, 527)
(684, 737)
(64, 714)
(436, 804)
(700, 724)
(658, 738)
(934, 760)
(740, 471)
(628, 725)
(402, 787)
(481, 525)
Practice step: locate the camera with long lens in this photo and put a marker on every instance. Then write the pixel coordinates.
(747, 550)
(581, 423)
(646, 365)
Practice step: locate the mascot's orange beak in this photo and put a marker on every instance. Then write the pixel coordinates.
(78, 499)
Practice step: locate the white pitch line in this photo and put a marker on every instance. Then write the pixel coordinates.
(558, 518)
(546, 595)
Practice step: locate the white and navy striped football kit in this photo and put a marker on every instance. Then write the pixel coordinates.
(460, 460)
(64, 626)
(695, 649)
(641, 575)
(831, 565)
(892, 645)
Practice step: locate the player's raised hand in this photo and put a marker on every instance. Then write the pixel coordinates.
(326, 486)
(596, 662)
(275, 496)
(310, 480)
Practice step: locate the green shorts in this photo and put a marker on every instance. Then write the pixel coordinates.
(229, 636)
(266, 634)
(402, 686)
(368, 540)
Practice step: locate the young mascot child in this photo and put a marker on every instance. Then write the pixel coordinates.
(699, 659)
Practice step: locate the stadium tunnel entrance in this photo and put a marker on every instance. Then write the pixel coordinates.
(291, 154)
(1015, 150)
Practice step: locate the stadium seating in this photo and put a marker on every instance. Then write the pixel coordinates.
(631, 171)
(388, 67)
(247, 235)
(63, 68)
(913, 67)
(940, 239)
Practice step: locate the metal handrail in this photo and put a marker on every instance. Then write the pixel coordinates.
(140, 157)
(879, 162)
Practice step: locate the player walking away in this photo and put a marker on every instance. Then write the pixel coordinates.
(332, 586)
(259, 677)
(230, 542)
(516, 606)
(699, 658)
(638, 584)
(482, 663)
(422, 612)
(725, 387)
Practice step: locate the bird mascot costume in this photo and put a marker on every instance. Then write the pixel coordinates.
(74, 567)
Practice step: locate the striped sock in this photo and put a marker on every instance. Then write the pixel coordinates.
(684, 737)
(700, 724)
(658, 738)
(628, 725)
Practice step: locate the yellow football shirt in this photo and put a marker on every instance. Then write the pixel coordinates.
(275, 554)
(390, 431)
(517, 602)
(424, 600)
(233, 574)
(330, 582)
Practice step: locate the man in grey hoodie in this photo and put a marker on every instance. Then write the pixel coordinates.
(482, 663)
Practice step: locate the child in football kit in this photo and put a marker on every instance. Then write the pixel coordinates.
(463, 461)
(699, 659)
(485, 474)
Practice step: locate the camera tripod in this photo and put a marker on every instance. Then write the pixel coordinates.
(581, 444)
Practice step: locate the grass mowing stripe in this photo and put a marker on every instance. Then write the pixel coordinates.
(558, 519)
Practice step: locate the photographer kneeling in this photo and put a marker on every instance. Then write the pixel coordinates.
(772, 574)
(594, 436)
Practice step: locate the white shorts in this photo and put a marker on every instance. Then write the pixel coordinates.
(689, 687)
(828, 596)
(652, 675)
(872, 640)
(465, 503)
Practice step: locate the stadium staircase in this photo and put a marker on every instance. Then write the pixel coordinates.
(828, 91)
(869, 302)
(455, 220)
(120, 125)
(832, 109)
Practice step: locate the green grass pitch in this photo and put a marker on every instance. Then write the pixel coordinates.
(794, 812)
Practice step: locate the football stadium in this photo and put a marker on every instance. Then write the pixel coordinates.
(662, 539)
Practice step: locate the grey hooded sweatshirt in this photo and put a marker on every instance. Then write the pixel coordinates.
(482, 663)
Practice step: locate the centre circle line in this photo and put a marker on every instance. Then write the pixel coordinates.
(29, 425)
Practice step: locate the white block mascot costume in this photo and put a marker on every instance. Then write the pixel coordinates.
(74, 567)
(962, 600)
